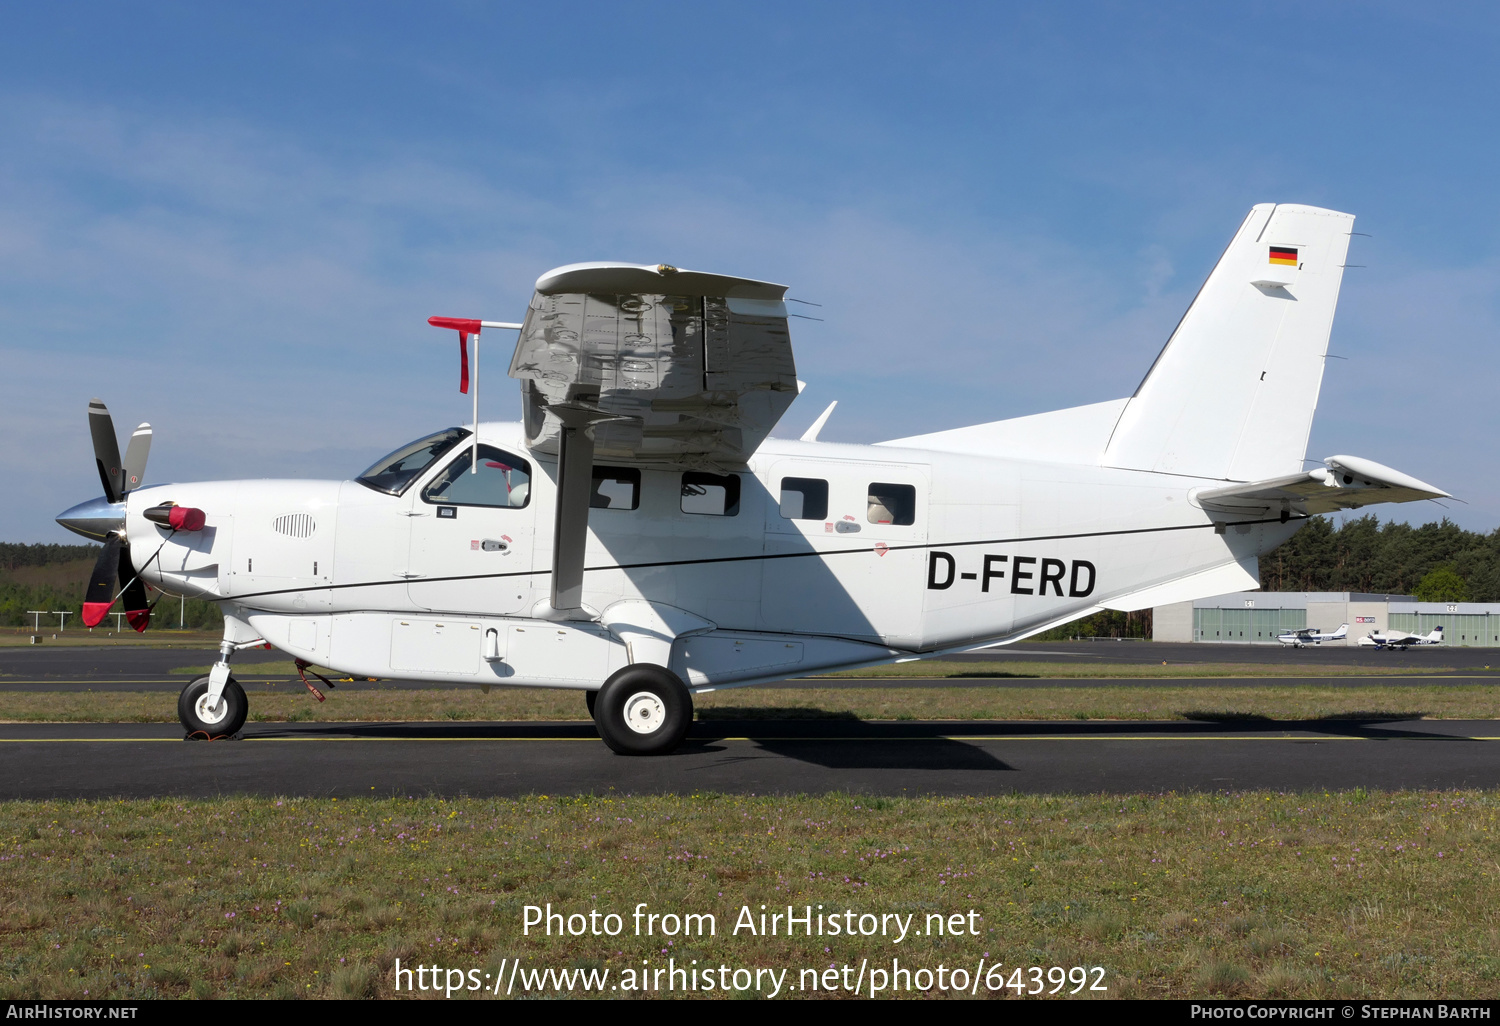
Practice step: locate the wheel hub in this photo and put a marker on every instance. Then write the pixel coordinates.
(209, 712)
(645, 712)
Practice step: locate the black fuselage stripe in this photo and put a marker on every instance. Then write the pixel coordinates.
(865, 550)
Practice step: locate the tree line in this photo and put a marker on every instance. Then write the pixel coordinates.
(1438, 562)
(62, 589)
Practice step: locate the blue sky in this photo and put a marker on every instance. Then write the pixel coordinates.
(233, 220)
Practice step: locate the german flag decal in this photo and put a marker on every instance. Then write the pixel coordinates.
(1284, 255)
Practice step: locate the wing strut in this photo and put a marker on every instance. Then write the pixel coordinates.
(570, 523)
(570, 526)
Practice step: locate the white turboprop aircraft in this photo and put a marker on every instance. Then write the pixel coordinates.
(1312, 636)
(640, 538)
(1401, 639)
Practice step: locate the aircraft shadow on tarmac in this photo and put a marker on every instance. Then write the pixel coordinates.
(833, 743)
(849, 743)
(1353, 724)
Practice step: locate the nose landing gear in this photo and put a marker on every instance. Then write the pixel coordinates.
(202, 715)
(215, 706)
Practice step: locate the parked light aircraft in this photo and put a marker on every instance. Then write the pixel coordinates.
(1400, 639)
(1312, 636)
(639, 537)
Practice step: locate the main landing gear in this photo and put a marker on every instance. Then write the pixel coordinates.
(642, 709)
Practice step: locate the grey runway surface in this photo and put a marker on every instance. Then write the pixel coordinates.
(55, 761)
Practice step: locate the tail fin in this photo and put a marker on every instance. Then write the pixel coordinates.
(1340, 633)
(1436, 635)
(1232, 394)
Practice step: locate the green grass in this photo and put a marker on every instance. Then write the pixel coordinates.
(1253, 894)
(292, 702)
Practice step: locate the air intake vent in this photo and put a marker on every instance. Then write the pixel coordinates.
(295, 525)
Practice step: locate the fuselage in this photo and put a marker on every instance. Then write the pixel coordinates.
(848, 554)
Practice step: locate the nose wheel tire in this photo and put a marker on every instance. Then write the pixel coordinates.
(221, 719)
(643, 710)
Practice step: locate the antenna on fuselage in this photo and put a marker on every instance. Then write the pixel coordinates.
(811, 434)
(466, 327)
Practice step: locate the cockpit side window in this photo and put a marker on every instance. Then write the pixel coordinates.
(394, 472)
(503, 480)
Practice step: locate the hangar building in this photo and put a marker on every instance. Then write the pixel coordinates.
(1257, 617)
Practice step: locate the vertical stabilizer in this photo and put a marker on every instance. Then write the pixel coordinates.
(1232, 394)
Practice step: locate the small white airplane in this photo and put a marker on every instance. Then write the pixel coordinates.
(1400, 639)
(639, 537)
(1312, 636)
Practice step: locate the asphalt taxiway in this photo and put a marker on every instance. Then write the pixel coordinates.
(51, 761)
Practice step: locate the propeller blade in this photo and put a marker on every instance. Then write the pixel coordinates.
(137, 609)
(135, 457)
(106, 450)
(101, 591)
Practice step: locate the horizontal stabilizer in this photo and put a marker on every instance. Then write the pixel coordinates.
(1346, 482)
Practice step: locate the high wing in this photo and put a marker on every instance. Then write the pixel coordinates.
(1345, 482)
(647, 365)
(672, 367)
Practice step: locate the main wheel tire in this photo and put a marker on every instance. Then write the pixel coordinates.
(591, 699)
(223, 720)
(643, 710)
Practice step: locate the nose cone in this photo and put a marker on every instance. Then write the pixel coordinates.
(95, 518)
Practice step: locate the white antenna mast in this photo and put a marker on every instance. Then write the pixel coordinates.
(466, 327)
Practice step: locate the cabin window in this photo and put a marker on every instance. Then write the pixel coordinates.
(804, 498)
(395, 471)
(616, 488)
(892, 504)
(502, 481)
(714, 495)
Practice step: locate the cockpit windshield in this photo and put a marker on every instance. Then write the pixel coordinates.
(394, 472)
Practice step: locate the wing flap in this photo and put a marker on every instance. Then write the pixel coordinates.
(1345, 482)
